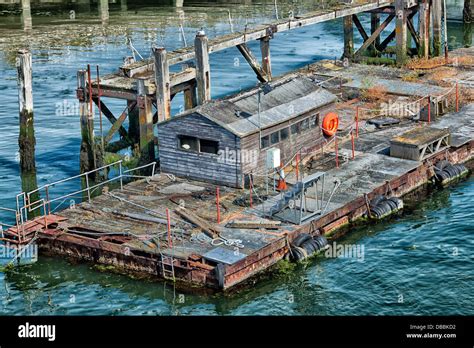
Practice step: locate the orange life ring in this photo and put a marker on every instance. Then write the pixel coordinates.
(330, 124)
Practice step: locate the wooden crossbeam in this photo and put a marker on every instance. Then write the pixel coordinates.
(117, 124)
(375, 35)
(110, 116)
(244, 49)
(359, 27)
(391, 36)
(387, 40)
(413, 33)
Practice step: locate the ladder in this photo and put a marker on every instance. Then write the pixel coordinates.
(167, 267)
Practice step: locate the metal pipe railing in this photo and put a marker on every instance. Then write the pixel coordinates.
(25, 206)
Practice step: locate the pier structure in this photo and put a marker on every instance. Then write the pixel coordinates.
(160, 85)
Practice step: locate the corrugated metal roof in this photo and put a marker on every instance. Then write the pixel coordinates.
(399, 87)
(289, 99)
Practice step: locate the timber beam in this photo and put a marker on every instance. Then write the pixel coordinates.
(110, 116)
(371, 40)
(244, 49)
(118, 124)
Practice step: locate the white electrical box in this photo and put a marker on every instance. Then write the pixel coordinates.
(273, 158)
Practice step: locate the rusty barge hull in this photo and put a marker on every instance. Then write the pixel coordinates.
(192, 270)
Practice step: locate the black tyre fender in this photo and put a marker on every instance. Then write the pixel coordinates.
(298, 241)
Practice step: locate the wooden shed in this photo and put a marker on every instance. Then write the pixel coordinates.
(224, 140)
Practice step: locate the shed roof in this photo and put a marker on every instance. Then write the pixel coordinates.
(289, 98)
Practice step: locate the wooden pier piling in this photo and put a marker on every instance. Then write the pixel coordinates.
(26, 139)
(467, 15)
(104, 11)
(203, 71)
(348, 37)
(145, 107)
(266, 57)
(88, 150)
(401, 31)
(162, 80)
(437, 35)
(26, 14)
(424, 29)
(374, 25)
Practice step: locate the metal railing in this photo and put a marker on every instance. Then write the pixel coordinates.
(26, 203)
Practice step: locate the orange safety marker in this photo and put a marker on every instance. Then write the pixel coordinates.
(89, 78)
(281, 181)
(357, 121)
(218, 206)
(457, 97)
(353, 144)
(168, 220)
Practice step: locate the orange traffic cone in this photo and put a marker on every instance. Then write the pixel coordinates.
(281, 181)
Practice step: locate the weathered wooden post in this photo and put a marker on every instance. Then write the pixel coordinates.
(163, 85)
(26, 139)
(26, 14)
(437, 37)
(348, 37)
(467, 11)
(88, 150)
(145, 109)
(203, 70)
(401, 31)
(104, 10)
(424, 28)
(123, 6)
(190, 97)
(374, 24)
(266, 57)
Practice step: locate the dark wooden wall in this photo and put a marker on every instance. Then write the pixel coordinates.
(193, 165)
(311, 139)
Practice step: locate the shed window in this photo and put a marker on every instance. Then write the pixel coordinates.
(295, 128)
(284, 133)
(304, 125)
(209, 146)
(314, 121)
(265, 142)
(275, 138)
(188, 143)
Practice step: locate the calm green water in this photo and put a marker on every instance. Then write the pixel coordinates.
(409, 265)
